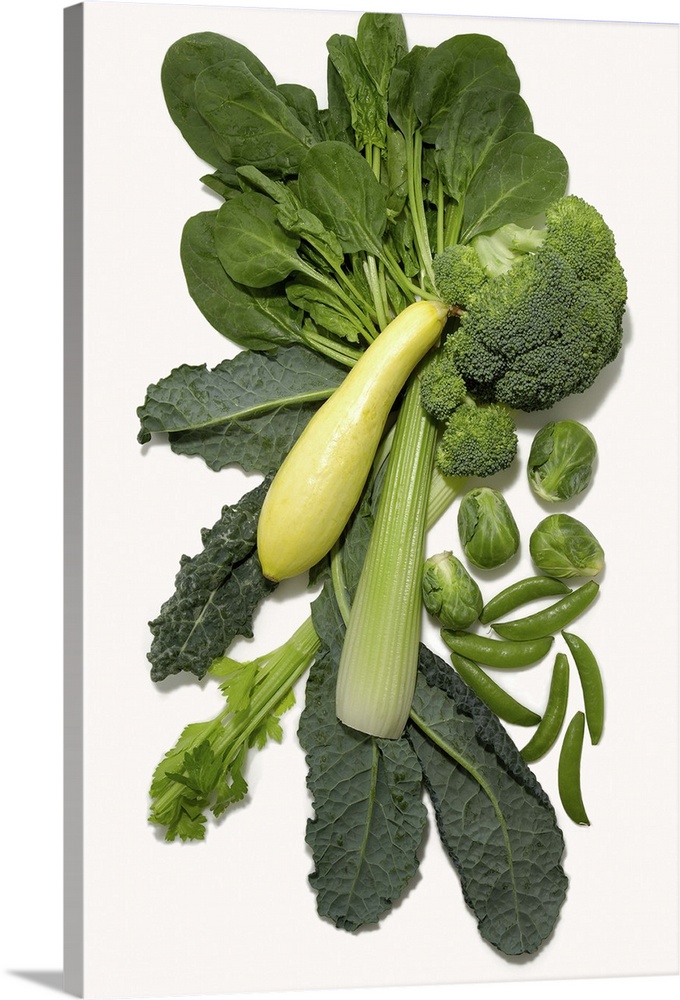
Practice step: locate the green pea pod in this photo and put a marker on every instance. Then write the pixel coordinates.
(569, 771)
(496, 652)
(591, 684)
(497, 698)
(552, 619)
(517, 594)
(549, 727)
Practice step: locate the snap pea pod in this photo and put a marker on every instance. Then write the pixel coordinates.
(569, 770)
(530, 589)
(552, 619)
(591, 683)
(497, 698)
(549, 727)
(496, 652)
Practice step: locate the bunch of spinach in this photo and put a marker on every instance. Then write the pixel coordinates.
(327, 227)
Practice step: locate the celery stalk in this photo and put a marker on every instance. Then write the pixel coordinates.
(378, 665)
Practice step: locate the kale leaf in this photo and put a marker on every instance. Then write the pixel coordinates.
(216, 594)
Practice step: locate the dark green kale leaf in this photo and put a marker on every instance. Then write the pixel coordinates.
(369, 816)
(216, 594)
(494, 819)
(248, 411)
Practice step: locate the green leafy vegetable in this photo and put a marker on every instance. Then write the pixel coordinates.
(257, 319)
(250, 121)
(494, 819)
(247, 411)
(216, 593)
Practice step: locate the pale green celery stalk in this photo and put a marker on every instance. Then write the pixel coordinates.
(379, 661)
(443, 491)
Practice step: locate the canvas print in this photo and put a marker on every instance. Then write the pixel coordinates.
(382, 417)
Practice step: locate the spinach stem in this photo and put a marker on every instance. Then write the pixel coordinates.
(414, 153)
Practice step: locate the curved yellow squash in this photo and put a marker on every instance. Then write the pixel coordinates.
(320, 481)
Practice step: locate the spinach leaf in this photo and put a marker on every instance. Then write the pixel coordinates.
(395, 177)
(364, 66)
(518, 179)
(216, 594)
(224, 182)
(369, 818)
(303, 103)
(382, 42)
(402, 90)
(368, 108)
(481, 119)
(248, 411)
(325, 309)
(337, 184)
(252, 246)
(183, 63)
(337, 118)
(460, 64)
(256, 319)
(494, 819)
(250, 122)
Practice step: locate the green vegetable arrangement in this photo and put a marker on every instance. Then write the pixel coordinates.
(403, 272)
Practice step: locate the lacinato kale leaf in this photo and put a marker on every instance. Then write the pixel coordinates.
(216, 594)
(494, 819)
(369, 816)
(248, 411)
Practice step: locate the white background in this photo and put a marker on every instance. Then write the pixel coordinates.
(31, 827)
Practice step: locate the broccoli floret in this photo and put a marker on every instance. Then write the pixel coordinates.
(459, 274)
(478, 440)
(442, 387)
(546, 327)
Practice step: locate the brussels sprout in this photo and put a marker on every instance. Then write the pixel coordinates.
(488, 531)
(561, 460)
(449, 592)
(562, 546)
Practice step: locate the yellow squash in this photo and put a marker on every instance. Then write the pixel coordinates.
(320, 481)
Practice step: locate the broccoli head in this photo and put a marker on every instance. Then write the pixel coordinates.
(478, 440)
(545, 326)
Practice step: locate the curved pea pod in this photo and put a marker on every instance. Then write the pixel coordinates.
(591, 684)
(569, 771)
(504, 653)
(321, 479)
(552, 619)
(522, 592)
(497, 698)
(550, 725)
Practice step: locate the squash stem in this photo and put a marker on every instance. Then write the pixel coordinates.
(378, 666)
